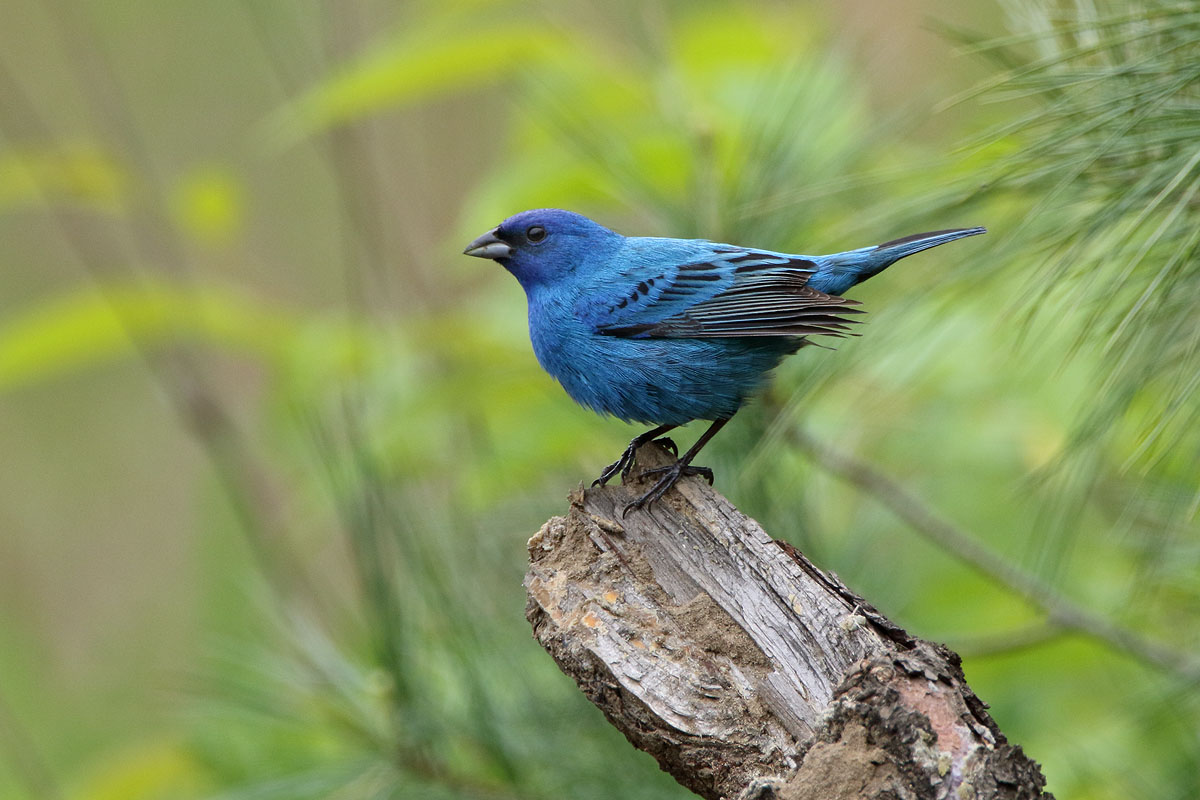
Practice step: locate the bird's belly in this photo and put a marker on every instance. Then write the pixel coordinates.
(659, 381)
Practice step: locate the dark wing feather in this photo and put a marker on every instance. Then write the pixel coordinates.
(757, 294)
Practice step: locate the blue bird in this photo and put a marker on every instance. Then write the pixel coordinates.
(666, 331)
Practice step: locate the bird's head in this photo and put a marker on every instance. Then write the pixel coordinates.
(544, 245)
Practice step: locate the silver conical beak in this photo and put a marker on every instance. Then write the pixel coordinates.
(489, 246)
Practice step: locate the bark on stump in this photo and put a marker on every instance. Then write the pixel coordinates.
(746, 671)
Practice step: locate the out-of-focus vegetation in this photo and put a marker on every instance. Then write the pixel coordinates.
(273, 448)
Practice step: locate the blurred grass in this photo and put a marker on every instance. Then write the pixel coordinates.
(1034, 386)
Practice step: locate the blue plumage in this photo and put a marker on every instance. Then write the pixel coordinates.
(666, 331)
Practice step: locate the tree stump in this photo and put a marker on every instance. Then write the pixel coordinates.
(745, 670)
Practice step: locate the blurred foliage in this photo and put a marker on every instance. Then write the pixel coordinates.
(407, 456)
(452, 48)
(95, 325)
(1102, 148)
(208, 205)
(695, 133)
(63, 174)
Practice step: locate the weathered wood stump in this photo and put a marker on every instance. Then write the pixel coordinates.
(745, 670)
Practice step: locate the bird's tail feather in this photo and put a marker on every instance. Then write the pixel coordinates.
(893, 251)
(868, 261)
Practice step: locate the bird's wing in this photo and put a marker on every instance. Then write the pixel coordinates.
(713, 290)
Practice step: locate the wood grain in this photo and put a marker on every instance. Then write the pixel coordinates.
(745, 670)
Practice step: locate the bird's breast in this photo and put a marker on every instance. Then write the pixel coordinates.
(660, 381)
(558, 336)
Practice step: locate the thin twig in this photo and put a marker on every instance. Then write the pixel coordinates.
(349, 155)
(994, 644)
(352, 157)
(1059, 609)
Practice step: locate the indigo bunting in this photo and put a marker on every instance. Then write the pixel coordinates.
(666, 331)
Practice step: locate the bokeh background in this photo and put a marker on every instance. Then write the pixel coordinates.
(272, 447)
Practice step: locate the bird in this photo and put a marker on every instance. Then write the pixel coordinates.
(665, 331)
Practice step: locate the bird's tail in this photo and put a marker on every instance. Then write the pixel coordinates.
(855, 266)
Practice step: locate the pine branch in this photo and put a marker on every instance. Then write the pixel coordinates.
(1059, 609)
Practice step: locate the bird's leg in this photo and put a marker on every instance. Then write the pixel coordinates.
(673, 472)
(625, 462)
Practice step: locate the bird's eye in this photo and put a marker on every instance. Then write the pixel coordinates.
(535, 233)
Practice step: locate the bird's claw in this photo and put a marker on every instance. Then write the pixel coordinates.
(668, 443)
(609, 471)
(622, 465)
(670, 476)
(683, 470)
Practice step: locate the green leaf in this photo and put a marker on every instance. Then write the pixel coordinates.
(416, 67)
(61, 173)
(149, 770)
(94, 326)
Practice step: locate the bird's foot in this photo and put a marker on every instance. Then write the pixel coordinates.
(624, 464)
(670, 476)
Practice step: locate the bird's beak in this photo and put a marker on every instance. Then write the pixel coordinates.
(489, 246)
